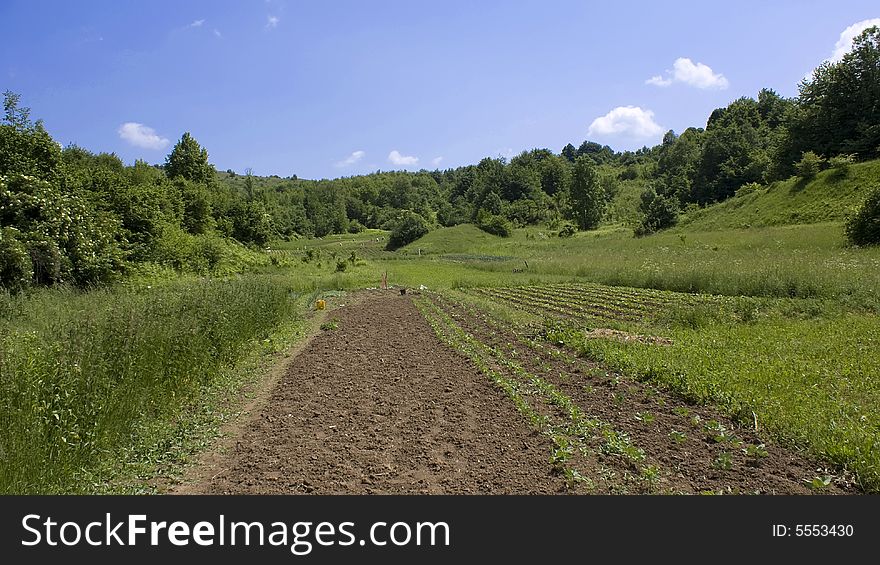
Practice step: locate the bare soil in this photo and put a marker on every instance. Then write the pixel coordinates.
(376, 403)
(380, 405)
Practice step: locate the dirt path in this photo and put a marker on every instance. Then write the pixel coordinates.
(380, 405)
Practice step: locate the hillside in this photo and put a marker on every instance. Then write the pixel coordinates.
(830, 197)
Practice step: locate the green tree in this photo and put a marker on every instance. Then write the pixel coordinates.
(658, 213)
(25, 147)
(190, 161)
(554, 174)
(486, 187)
(734, 151)
(16, 270)
(494, 224)
(809, 165)
(196, 206)
(408, 228)
(587, 195)
(864, 227)
(837, 111)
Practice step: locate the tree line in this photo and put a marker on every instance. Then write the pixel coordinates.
(68, 215)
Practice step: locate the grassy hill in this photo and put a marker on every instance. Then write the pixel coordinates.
(830, 197)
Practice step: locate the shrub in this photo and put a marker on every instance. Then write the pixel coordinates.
(496, 225)
(567, 230)
(864, 227)
(16, 270)
(406, 229)
(841, 163)
(658, 213)
(809, 165)
(748, 188)
(49, 265)
(355, 226)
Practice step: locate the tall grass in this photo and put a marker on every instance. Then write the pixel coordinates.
(78, 371)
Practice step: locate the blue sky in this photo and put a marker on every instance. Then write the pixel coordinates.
(322, 89)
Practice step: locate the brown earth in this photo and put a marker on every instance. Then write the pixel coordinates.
(380, 405)
(671, 432)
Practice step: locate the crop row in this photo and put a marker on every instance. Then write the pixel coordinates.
(576, 437)
(723, 456)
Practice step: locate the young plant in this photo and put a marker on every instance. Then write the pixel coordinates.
(723, 462)
(645, 417)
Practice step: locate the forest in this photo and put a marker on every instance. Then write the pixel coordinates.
(70, 216)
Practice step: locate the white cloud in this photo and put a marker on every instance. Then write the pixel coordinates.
(395, 158)
(140, 135)
(197, 23)
(272, 22)
(217, 33)
(659, 81)
(844, 44)
(693, 74)
(436, 161)
(351, 159)
(630, 121)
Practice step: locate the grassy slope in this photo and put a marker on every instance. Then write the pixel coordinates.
(830, 197)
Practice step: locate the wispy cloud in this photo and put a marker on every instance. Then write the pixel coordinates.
(628, 121)
(351, 159)
(395, 158)
(844, 43)
(218, 34)
(143, 136)
(693, 74)
(436, 161)
(272, 22)
(197, 23)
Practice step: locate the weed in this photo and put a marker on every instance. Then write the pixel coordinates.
(650, 474)
(723, 462)
(819, 483)
(644, 417)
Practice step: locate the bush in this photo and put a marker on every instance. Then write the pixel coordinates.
(864, 227)
(496, 225)
(49, 265)
(841, 163)
(406, 229)
(16, 269)
(355, 226)
(658, 213)
(809, 165)
(748, 188)
(567, 230)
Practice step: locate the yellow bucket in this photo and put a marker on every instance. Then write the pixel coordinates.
(320, 304)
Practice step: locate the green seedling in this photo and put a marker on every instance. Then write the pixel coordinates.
(677, 436)
(330, 325)
(645, 417)
(755, 451)
(723, 462)
(819, 483)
